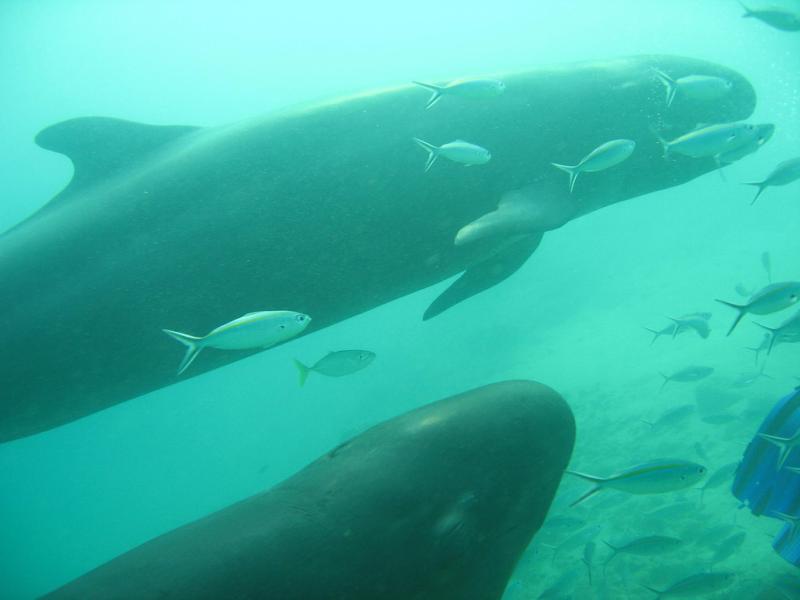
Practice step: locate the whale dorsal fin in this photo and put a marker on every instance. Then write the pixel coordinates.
(101, 146)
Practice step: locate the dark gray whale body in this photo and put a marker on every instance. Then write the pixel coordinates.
(436, 504)
(323, 210)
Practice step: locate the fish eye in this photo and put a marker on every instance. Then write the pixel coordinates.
(300, 318)
(283, 326)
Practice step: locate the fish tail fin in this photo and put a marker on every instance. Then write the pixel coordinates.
(669, 83)
(666, 381)
(761, 187)
(302, 372)
(772, 337)
(586, 476)
(433, 152)
(655, 333)
(591, 492)
(586, 496)
(436, 89)
(572, 171)
(193, 347)
(740, 307)
(614, 552)
(677, 329)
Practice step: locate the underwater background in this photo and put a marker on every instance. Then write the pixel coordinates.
(572, 317)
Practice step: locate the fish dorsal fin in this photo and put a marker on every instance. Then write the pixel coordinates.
(99, 147)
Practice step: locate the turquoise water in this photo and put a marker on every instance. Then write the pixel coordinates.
(572, 317)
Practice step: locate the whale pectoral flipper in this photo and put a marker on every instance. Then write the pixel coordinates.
(483, 275)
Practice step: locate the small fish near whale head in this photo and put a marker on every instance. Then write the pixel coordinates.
(262, 329)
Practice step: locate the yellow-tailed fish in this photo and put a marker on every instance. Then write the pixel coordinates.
(655, 477)
(601, 158)
(336, 364)
(457, 151)
(695, 585)
(767, 300)
(254, 330)
(473, 89)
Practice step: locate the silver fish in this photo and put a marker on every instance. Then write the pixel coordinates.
(728, 547)
(336, 364)
(701, 583)
(601, 158)
(651, 545)
(697, 322)
(687, 375)
(711, 141)
(763, 135)
(671, 417)
(767, 300)
(473, 89)
(671, 330)
(254, 330)
(655, 477)
(787, 332)
(776, 17)
(458, 151)
(694, 87)
(693, 321)
(785, 173)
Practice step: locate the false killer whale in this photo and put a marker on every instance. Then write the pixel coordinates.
(435, 504)
(323, 209)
